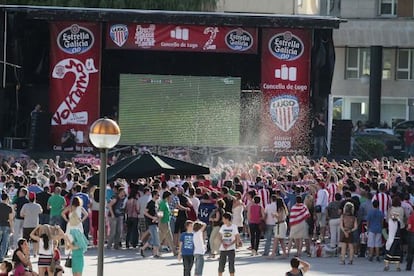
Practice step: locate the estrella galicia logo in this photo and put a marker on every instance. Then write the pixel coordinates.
(119, 34)
(286, 46)
(239, 40)
(75, 39)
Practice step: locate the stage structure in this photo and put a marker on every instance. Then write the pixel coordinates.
(211, 81)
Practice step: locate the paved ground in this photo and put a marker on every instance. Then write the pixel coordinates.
(129, 262)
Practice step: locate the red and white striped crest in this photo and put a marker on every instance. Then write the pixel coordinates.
(119, 34)
(284, 111)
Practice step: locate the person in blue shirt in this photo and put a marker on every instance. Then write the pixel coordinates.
(186, 248)
(375, 220)
(204, 212)
(206, 208)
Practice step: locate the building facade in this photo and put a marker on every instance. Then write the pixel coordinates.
(385, 23)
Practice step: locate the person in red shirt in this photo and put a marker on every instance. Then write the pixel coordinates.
(410, 240)
(409, 141)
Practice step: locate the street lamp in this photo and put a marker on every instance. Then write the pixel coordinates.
(104, 134)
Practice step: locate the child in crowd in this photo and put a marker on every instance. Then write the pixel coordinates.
(199, 247)
(296, 270)
(5, 268)
(374, 220)
(229, 238)
(186, 248)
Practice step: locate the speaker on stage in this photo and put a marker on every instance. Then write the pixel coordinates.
(39, 131)
(341, 137)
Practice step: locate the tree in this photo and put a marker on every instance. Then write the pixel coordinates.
(177, 5)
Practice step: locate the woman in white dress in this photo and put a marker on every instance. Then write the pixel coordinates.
(280, 228)
(238, 208)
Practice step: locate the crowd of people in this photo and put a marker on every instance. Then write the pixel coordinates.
(296, 207)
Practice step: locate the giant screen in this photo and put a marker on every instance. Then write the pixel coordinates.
(179, 110)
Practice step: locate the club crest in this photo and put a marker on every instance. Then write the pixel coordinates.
(119, 34)
(284, 111)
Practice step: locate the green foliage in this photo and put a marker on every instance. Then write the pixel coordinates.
(367, 148)
(177, 5)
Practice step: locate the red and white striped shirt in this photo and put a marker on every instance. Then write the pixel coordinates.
(265, 196)
(298, 213)
(245, 184)
(220, 183)
(384, 202)
(332, 190)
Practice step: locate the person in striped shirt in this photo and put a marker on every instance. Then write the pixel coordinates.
(298, 227)
(383, 198)
(264, 194)
(332, 187)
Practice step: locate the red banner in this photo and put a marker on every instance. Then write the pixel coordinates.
(181, 38)
(285, 86)
(75, 60)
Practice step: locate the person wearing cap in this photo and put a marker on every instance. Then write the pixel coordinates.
(30, 213)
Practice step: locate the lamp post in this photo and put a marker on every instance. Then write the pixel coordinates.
(104, 134)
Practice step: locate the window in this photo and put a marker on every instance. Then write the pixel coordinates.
(388, 7)
(405, 62)
(387, 57)
(358, 63)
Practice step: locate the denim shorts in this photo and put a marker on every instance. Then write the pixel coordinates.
(199, 264)
(155, 236)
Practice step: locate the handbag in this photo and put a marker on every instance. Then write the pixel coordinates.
(318, 209)
(68, 262)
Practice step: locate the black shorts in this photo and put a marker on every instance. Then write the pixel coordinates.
(179, 226)
(26, 234)
(227, 256)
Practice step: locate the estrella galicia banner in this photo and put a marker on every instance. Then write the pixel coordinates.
(75, 60)
(187, 38)
(285, 86)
